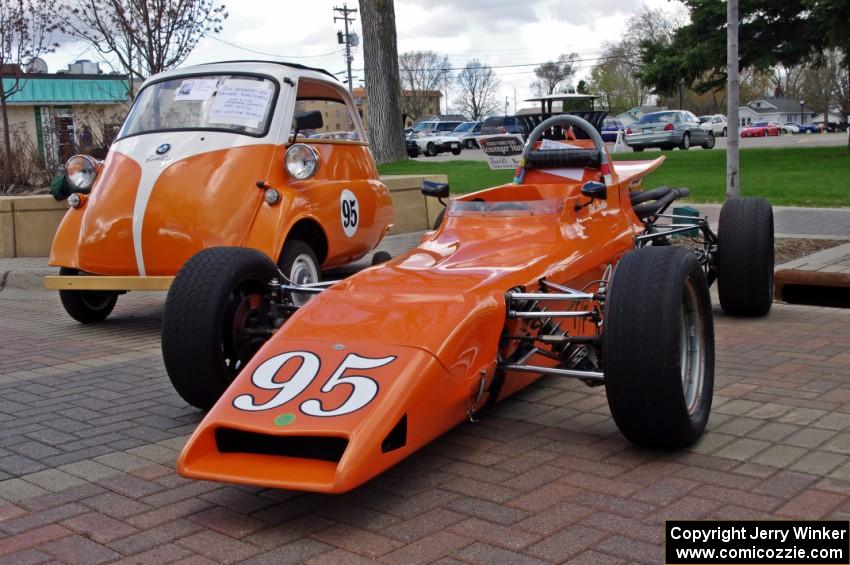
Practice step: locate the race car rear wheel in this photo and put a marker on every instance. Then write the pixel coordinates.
(86, 306)
(658, 347)
(216, 316)
(745, 257)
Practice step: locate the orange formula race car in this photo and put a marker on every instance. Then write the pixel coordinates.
(568, 271)
(219, 155)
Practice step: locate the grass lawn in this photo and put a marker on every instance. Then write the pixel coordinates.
(789, 176)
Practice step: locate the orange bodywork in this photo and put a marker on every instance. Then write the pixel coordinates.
(169, 190)
(425, 329)
(211, 199)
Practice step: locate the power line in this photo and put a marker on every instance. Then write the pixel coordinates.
(337, 52)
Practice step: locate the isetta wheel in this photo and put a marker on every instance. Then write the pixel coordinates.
(658, 347)
(86, 306)
(299, 264)
(217, 314)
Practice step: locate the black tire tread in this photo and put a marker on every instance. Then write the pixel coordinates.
(745, 257)
(640, 349)
(74, 303)
(191, 320)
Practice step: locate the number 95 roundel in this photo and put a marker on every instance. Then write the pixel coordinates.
(349, 210)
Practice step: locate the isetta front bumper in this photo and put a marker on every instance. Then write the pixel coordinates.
(98, 282)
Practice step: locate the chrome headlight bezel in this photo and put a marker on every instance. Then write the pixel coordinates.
(301, 161)
(80, 172)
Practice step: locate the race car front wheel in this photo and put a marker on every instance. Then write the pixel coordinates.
(745, 257)
(217, 314)
(86, 306)
(658, 347)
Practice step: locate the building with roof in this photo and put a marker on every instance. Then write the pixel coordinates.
(60, 112)
(782, 110)
(431, 104)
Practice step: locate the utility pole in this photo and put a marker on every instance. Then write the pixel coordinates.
(346, 37)
(733, 176)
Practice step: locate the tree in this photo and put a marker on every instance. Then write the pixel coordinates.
(552, 73)
(820, 85)
(615, 79)
(145, 36)
(25, 33)
(478, 84)
(616, 76)
(421, 73)
(787, 33)
(380, 65)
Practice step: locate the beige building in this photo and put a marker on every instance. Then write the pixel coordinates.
(57, 115)
(432, 104)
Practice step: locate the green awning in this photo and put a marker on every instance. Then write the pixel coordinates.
(67, 90)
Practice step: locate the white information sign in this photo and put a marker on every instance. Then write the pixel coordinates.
(196, 89)
(503, 151)
(241, 102)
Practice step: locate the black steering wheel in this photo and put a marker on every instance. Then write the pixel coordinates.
(568, 156)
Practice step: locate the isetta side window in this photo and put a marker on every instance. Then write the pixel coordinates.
(338, 123)
(233, 103)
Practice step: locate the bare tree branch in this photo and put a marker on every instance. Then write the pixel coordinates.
(478, 84)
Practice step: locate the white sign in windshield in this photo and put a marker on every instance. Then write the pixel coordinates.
(241, 102)
(196, 89)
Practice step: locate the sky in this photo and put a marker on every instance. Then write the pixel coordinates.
(512, 34)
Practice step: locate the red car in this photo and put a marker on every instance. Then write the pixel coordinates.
(762, 129)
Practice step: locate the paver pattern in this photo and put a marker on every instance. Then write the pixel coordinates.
(91, 429)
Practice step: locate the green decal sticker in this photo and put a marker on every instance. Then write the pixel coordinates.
(284, 419)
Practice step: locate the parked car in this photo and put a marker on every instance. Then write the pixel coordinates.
(407, 132)
(715, 123)
(424, 129)
(215, 156)
(762, 129)
(668, 129)
(502, 124)
(412, 148)
(441, 143)
(611, 127)
(791, 127)
(466, 132)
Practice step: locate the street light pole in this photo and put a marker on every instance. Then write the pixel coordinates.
(802, 102)
(733, 176)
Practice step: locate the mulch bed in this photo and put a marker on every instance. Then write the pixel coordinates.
(788, 249)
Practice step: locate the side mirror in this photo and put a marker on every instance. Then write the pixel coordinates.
(435, 189)
(595, 190)
(308, 120)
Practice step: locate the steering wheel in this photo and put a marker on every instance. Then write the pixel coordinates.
(566, 120)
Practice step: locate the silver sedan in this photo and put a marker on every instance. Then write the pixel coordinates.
(668, 129)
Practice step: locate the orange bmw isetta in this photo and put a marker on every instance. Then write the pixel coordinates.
(219, 155)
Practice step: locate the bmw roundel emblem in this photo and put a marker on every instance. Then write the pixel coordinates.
(163, 149)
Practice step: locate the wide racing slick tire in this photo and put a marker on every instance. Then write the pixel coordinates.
(745, 257)
(430, 150)
(658, 347)
(214, 317)
(86, 306)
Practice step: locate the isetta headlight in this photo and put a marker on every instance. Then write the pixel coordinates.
(302, 161)
(80, 171)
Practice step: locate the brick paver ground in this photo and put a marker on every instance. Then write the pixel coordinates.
(91, 429)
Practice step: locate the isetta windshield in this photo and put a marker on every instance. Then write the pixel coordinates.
(234, 103)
